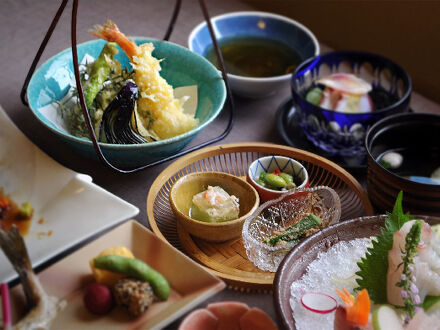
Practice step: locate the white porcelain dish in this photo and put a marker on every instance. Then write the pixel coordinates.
(190, 283)
(68, 207)
(269, 164)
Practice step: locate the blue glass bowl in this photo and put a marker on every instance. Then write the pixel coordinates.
(343, 134)
(256, 24)
(180, 67)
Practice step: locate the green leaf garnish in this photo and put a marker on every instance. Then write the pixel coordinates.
(430, 301)
(373, 267)
(396, 219)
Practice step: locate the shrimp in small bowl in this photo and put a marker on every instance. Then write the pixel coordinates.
(129, 88)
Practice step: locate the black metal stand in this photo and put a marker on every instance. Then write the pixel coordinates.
(229, 104)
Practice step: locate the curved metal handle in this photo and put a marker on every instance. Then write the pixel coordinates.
(40, 52)
(229, 104)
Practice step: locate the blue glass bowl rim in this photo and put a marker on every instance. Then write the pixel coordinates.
(174, 139)
(391, 119)
(304, 67)
(214, 19)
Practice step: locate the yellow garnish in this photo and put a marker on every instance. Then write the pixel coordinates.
(104, 276)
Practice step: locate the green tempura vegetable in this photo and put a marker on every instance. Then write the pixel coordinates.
(100, 70)
(136, 268)
(295, 232)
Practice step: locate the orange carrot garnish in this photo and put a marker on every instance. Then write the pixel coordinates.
(357, 310)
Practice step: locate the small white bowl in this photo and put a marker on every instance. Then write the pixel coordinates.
(256, 24)
(269, 164)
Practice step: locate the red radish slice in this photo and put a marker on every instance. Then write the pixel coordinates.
(200, 319)
(319, 302)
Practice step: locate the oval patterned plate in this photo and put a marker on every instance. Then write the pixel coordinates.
(228, 260)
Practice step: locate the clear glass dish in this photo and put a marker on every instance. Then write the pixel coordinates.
(280, 213)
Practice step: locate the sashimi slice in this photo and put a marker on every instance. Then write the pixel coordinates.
(426, 264)
(422, 321)
(346, 83)
(228, 314)
(366, 103)
(200, 319)
(354, 104)
(330, 99)
(256, 319)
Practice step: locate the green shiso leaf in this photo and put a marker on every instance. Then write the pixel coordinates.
(396, 220)
(430, 301)
(373, 266)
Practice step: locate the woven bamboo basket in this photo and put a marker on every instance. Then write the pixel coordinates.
(228, 260)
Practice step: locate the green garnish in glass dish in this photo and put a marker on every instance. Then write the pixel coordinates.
(295, 232)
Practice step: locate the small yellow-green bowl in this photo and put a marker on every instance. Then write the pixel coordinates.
(186, 187)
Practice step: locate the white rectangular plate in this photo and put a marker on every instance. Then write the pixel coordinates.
(68, 207)
(190, 283)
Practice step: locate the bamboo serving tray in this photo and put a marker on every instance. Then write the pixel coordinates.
(228, 260)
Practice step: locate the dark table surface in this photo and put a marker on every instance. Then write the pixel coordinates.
(23, 24)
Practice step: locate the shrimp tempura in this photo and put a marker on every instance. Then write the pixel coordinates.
(156, 95)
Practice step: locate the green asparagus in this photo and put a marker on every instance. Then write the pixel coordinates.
(295, 232)
(100, 71)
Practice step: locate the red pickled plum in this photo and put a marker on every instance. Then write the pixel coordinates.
(98, 299)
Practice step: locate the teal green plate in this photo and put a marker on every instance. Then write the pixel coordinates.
(180, 67)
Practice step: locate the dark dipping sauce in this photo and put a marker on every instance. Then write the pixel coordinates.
(10, 216)
(257, 57)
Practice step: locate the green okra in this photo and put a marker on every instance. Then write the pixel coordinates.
(295, 232)
(136, 268)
